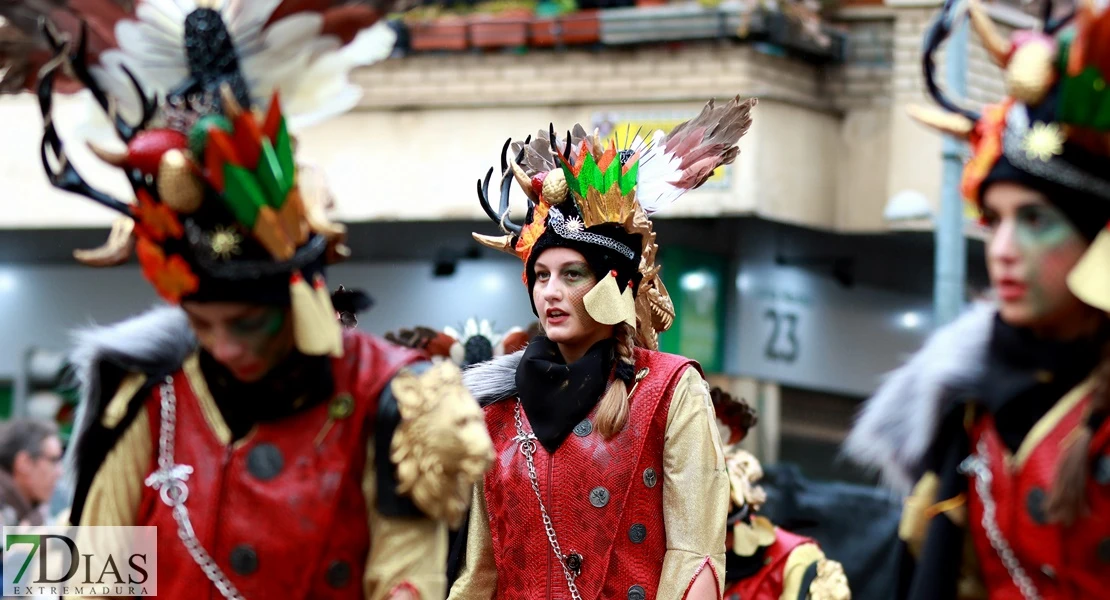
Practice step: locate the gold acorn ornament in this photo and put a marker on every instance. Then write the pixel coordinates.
(178, 186)
(555, 187)
(1027, 58)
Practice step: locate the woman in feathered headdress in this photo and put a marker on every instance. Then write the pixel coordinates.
(1001, 419)
(610, 480)
(244, 405)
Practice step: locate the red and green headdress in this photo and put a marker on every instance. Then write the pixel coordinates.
(1051, 132)
(196, 93)
(596, 197)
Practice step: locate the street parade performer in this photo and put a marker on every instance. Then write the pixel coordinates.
(278, 455)
(1001, 418)
(764, 561)
(609, 480)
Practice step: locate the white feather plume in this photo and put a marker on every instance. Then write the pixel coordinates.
(655, 189)
(291, 56)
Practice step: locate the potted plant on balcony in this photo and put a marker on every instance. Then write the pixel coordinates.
(435, 29)
(560, 23)
(501, 24)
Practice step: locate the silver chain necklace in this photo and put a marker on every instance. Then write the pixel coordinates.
(977, 467)
(169, 479)
(527, 443)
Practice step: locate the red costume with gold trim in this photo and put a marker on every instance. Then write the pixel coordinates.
(1001, 419)
(767, 584)
(610, 476)
(606, 496)
(316, 552)
(264, 413)
(1069, 562)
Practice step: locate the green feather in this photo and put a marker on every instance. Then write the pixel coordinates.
(198, 135)
(269, 174)
(611, 176)
(283, 145)
(589, 176)
(1085, 100)
(629, 179)
(243, 195)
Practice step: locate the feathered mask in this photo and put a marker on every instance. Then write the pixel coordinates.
(596, 197)
(1053, 129)
(221, 210)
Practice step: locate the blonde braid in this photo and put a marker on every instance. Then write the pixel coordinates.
(612, 412)
(1068, 499)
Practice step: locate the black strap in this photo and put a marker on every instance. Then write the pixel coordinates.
(807, 580)
(97, 440)
(390, 503)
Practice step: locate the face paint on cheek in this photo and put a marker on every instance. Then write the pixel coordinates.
(1049, 251)
(258, 333)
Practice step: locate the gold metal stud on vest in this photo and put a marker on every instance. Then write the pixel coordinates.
(341, 407)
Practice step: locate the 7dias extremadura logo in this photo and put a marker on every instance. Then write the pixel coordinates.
(80, 561)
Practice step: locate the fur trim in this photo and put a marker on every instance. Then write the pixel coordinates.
(157, 341)
(895, 427)
(494, 379)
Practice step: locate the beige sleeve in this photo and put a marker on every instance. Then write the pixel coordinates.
(478, 580)
(695, 490)
(117, 488)
(404, 552)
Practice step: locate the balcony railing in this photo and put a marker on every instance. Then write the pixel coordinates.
(640, 25)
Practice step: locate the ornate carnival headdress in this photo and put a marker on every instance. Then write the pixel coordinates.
(598, 198)
(221, 210)
(1052, 132)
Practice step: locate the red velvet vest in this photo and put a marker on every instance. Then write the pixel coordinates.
(605, 498)
(281, 511)
(767, 583)
(1062, 562)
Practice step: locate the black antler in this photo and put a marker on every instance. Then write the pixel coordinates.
(501, 216)
(1052, 26)
(64, 176)
(78, 62)
(940, 31)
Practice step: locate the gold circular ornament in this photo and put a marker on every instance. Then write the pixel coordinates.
(1043, 141)
(224, 242)
(341, 407)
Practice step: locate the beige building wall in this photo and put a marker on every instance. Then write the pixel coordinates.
(829, 146)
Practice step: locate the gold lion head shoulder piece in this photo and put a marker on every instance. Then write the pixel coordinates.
(441, 447)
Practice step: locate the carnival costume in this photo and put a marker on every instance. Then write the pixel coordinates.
(566, 511)
(764, 561)
(337, 474)
(985, 417)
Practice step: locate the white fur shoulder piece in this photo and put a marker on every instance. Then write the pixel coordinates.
(494, 379)
(158, 340)
(895, 427)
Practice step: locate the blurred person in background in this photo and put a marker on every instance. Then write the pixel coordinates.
(999, 423)
(762, 560)
(245, 403)
(30, 465)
